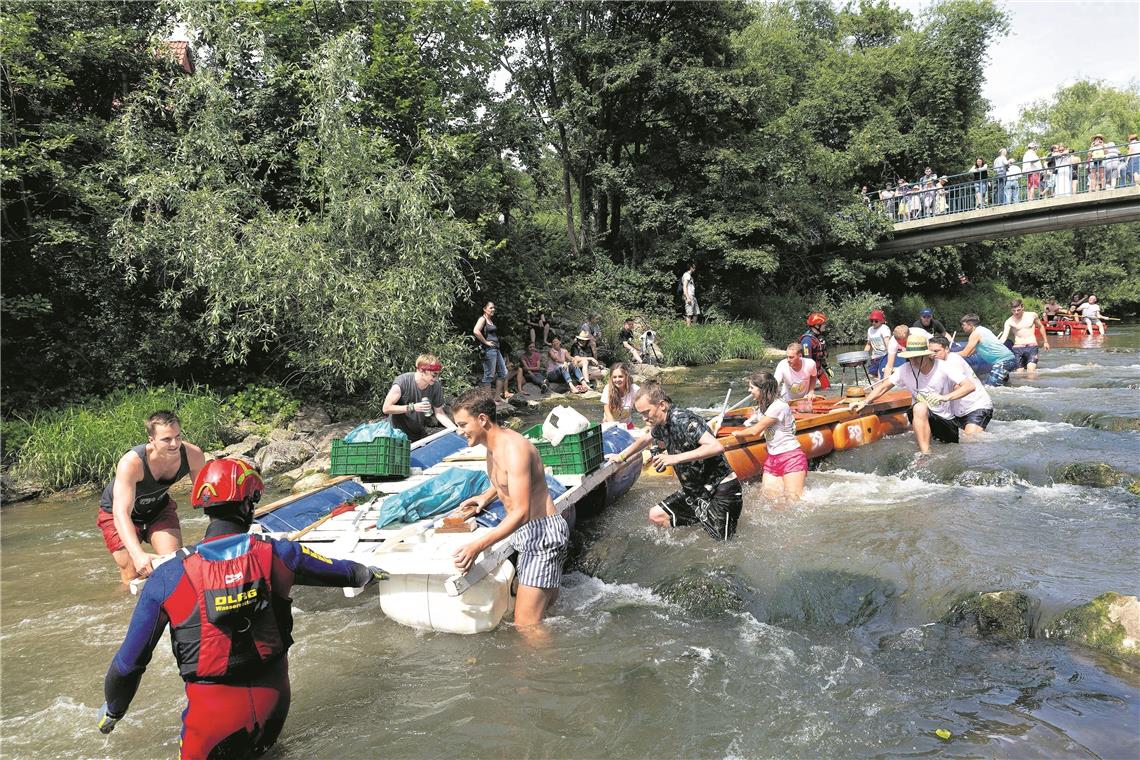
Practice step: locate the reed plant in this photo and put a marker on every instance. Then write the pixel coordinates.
(691, 345)
(82, 444)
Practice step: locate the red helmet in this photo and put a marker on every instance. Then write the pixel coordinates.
(877, 314)
(816, 318)
(226, 480)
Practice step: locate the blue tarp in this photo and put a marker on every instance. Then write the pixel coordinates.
(310, 508)
(370, 431)
(431, 454)
(440, 494)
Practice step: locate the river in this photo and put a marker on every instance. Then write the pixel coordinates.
(835, 651)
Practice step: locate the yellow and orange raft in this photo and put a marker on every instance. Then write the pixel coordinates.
(829, 426)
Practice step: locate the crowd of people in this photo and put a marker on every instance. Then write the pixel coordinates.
(1056, 172)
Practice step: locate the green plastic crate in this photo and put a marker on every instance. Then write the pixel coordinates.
(577, 454)
(383, 457)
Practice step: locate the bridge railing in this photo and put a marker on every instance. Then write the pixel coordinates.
(1054, 176)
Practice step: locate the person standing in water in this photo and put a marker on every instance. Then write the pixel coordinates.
(1024, 326)
(136, 506)
(786, 466)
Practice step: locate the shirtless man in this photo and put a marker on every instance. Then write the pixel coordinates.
(537, 530)
(1024, 325)
(135, 505)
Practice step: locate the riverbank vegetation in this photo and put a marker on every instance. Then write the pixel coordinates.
(332, 188)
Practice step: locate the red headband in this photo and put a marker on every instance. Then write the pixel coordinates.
(435, 367)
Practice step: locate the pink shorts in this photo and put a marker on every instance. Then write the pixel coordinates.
(166, 520)
(1033, 180)
(786, 463)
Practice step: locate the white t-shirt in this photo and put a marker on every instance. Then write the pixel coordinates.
(919, 331)
(958, 370)
(795, 383)
(780, 436)
(1089, 311)
(688, 285)
(626, 402)
(1031, 160)
(878, 337)
(938, 381)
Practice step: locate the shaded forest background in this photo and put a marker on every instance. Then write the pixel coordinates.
(337, 185)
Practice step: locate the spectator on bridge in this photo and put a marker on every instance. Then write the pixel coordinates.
(902, 198)
(979, 173)
(1048, 174)
(887, 199)
(1132, 168)
(1000, 165)
(1064, 162)
(928, 181)
(940, 205)
(1013, 183)
(1031, 165)
(1096, 163)
(1112, 166)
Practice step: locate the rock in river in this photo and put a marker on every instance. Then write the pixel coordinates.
(1110, 624)
(1006, 615)
(705, 591)
(1092, 474)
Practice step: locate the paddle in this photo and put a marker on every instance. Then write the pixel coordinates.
(723, 409)
(340, 510)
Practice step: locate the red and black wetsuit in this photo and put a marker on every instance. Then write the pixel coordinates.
(228, 607)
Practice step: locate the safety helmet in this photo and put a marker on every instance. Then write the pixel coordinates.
(225, 481)
(816, 318)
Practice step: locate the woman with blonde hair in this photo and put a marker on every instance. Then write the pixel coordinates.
(618, 395)
(785, 468)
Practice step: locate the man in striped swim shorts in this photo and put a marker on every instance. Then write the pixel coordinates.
(537, 531)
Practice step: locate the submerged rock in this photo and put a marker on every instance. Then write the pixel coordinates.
(13, 489)
(1109, 623)
(1091, 474)
(826, 599)
(1099, 421)
(988, 478)
(705, 591)
(1005, 615)
(1014, 412)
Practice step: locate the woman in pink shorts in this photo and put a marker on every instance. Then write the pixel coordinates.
(785, 469)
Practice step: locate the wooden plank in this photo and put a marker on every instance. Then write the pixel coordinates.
(290, 499)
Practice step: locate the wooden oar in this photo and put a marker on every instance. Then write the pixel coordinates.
(346, 507)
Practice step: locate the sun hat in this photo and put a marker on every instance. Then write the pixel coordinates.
(1098, 136)
(877, 314)
(584, 335)
(926, 313)
(915, 346)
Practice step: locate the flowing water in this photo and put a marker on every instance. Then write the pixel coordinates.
(829, 647)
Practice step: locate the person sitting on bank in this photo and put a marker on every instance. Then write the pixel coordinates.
(618, 395)
(983, 341)
(796, 376)
(593, 328)
(530, 370)
(494, 365)
(415, 397)
(561, 367)
(933, 385)
(878, 344)
(973, 411)
(927, 322)
(815, 347)
(234, 657)
(537, 530)
(136, 506)
(539, 327)
(710, 494)
(786, 466)
(625, 335)
(582, 352)
(1090, 314)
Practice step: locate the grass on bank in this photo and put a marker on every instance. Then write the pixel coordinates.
(690, 345)
(82, 444)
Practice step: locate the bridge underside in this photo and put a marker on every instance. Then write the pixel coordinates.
(1046, 215)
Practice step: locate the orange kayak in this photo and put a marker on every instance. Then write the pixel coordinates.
(829, 426)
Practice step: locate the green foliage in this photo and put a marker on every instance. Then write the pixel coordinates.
(263, 404)
(82, 444)
(705, 344)
(1078, 111)
(989, 300)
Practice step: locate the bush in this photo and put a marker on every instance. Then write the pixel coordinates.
(989, 300)
(82, 444)
(263, 404)
(688, 345)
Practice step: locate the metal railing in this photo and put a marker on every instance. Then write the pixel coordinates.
(1055, 176)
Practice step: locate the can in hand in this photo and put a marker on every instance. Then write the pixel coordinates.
(654, 450)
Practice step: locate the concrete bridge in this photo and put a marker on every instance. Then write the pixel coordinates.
(1024, 218)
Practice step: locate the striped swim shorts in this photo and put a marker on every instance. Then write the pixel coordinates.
(541, 545)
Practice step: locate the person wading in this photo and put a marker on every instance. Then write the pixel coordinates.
(227, 603)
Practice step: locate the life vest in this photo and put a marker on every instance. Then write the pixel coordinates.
(235, 624)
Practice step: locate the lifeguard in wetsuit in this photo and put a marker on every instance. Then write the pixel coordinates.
(135, 505)
(227, 603)
(815, 347)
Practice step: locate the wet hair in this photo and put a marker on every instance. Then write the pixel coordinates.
(475, 402)
(972, 319)
(940, 340)
(161, 417)
(765, 382)
(613, 403)
(1015, 303)
(653, 393)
